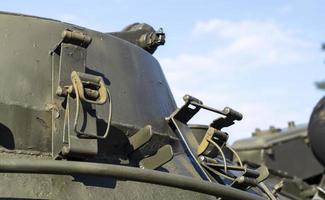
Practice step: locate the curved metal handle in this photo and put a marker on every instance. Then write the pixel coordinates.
(104, 96)
(78, 78)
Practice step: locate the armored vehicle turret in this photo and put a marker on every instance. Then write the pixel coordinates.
(89, 115)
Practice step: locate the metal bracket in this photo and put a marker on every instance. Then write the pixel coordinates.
(75, 138)
(217, 136)
(178, 122)
(140, 138)
(72, 49)
(186, 112)
(81, 93)
(162, 156)
(263, 173)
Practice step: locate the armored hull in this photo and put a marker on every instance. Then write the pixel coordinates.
(82, 110)
(28, 104)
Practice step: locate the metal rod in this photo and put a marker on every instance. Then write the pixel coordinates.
(123, 172)
(208, 108)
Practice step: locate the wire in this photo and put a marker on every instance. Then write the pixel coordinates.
(221, 152)
(217, 172)
(109, 119)
(236, 154)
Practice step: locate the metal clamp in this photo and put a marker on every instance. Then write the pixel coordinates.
(178, 122)
(102, 95)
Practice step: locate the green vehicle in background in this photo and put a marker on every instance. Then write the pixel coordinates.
(289, 158)
(294, 156)
(89, 115)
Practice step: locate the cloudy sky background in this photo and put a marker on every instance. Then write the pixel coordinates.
(259, 57)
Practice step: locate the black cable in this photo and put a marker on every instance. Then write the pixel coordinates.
(123, 172)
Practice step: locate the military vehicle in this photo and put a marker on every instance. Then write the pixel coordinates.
(89, 115)
(288, 155)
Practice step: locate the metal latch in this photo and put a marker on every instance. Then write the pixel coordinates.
(81, 96)
(90, 89)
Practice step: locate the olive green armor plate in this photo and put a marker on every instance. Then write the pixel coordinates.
(32, 115)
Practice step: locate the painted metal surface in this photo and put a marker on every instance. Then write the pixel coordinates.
(32, 119)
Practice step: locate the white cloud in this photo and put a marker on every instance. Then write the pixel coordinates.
(236, 53)
(255, 43)
(241, 46)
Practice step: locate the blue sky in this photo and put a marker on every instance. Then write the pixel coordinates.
(259, 57)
